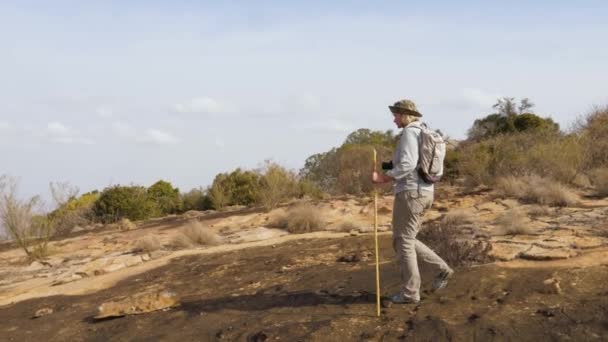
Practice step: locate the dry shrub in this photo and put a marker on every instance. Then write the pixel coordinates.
(511, 187)
(539, 210)
(547, 154)
(447, 241)
(534, 189)
(349, 225)
(457, 218)
(197, 234)
(303, 218)
(552, 193)
(126, 224)
(512, 222)
(599, 180)
(181, 241)
(277, 184)
(148, 244)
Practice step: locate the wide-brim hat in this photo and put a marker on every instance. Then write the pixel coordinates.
(405, 107)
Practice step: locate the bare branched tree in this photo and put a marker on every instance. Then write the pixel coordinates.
(18, 217)
(63, 192)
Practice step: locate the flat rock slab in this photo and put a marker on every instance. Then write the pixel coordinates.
(138, 304)
(507, 251)
(256, 234)
(539, 253)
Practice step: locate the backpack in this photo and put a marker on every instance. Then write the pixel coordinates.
(432, 151)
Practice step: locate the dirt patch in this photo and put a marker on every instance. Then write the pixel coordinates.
(277, 292)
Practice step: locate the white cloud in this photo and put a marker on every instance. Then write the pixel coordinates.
(60, 133)
(219, 142)
(57, 129)
(466, 99)
(204, 105)
(159, 137)
(149, 136)
(479, 98)
(331, 125)
(123, 130)
(5, 125)
(104, 112)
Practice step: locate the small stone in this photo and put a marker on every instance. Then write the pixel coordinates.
(137, 304)
(113, 268)
(43, 312)
(551, 286)
(34, 266)
(386, 303)
(145, 257)
(354, 233)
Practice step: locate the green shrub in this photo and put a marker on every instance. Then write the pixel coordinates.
(119, 202)
(76, 212)
(236, 188)
(165, 197)
(347, 169)
(277, 184)
(196, 199)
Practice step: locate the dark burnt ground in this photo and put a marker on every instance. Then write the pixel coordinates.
(298, 291)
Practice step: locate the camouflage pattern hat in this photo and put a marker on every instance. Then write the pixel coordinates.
(405, 107)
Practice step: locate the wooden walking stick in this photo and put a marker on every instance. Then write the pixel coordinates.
(376, 239)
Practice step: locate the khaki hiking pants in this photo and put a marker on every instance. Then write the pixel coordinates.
(408, 211)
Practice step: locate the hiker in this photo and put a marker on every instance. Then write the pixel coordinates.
(412, 197)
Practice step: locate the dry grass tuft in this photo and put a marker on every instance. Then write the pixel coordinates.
(349, 225)
(534, 189)
(512, 222)
(303, 218)
(539, 210)
(181, 241)
(126, 224)
(194, 233)
(457, 218)
(457, 250)
(148, 244)
(599, 180)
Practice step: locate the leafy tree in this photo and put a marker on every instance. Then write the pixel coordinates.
(346, 169)
(236, 188)
(277, 184)
(117, 202)
(510, 118)
(196, 199)
(166, 198)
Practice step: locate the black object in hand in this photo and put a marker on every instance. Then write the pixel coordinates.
(387, 165)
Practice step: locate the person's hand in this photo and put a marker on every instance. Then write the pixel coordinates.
(377, 178)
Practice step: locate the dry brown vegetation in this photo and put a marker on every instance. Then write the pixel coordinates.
(303, 218)
(446, 239)
(539, 210)
(126, 224)
(349, 225)
(194, 233)
(534, 189)
(148, 244)
(599, 181)
(29, 231)
(512, 222)
(457, 218)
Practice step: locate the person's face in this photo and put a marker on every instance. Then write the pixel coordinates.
(397, 120)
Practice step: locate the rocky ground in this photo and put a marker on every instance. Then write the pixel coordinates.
(264, 284)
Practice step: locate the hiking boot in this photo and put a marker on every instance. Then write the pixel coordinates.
(441, 280)
(401, 299)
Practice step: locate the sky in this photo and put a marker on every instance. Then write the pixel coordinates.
(98, 93)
